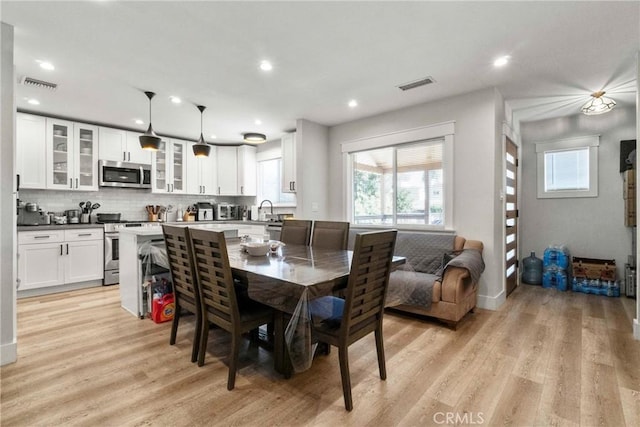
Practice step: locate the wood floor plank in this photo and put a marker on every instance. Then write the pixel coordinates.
(600, 402)
(84, 361)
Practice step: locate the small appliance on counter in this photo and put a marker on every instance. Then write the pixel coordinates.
(204, 211)
(31, 214)
(226, 212)
(73, 216)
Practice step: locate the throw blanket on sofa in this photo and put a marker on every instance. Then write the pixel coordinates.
(413, 282)
(471, 259)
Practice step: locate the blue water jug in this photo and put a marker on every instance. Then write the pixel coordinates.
(532, 270)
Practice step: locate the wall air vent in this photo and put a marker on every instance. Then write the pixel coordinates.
(28, 81)
(417, 83)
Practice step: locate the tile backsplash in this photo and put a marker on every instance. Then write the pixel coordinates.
(130, 203)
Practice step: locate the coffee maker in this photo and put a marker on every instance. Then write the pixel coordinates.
(31, 214)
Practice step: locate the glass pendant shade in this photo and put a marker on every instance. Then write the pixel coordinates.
(598, 104)
(149, 140)
(255, 137)
(201, 148)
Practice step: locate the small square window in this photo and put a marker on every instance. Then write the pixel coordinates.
(568, 168)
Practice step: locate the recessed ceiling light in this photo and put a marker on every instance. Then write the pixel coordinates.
(33, 101)
(46, 65)
(266, 66)
(213, 136)
(175, 99)
(258, 122)
(353, 103)
(502, 61)
(139, 121)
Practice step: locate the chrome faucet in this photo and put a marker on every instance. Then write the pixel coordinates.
(260, 207)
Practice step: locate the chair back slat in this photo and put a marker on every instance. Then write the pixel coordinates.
(330, 235)
(368, 280)
(296, 232)
(218, 296)
(181, 267)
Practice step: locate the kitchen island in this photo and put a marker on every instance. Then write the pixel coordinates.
(142, 258)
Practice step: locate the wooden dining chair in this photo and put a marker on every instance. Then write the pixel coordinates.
(341, 322)
(296, 232)
(330, 235)
(185, 284)
(218, 299)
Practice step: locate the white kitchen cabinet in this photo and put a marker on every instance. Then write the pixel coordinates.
(201, 172)
(227, 170)
(72, 160)
(59, 257)
(236, 171)
(247, 171)
(31, 152)
(121, 146)
(289, 172)
(169, 167)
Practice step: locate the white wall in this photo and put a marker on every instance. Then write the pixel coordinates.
(312, 170)
(591, 227)
(8, 343)
(476, 163)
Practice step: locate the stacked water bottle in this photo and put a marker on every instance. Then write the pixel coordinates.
(593, 276)
(555, 267)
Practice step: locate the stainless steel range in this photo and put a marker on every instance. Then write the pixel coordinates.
(111, 248)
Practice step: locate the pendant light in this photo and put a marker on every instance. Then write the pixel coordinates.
(201, 149)
(598, 104)
(256, 138)
(149, 140)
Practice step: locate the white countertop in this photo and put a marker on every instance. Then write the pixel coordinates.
(156, 230)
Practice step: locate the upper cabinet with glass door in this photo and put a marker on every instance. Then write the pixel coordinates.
(71, 156)
(169, 166)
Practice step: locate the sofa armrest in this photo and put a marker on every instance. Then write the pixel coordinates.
(454, 283)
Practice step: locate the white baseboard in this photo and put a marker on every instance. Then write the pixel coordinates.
(57, 289)
(492, 303)
(636, 329)
(8, 353)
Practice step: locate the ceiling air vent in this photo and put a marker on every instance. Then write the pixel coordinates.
(417, 83)
(28, 81)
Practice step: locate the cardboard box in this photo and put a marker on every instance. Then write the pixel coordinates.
(629, 185)
(593, 268)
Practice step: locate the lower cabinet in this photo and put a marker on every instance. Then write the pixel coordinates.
(59, 257)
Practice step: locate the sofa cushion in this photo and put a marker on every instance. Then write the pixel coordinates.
(410, 287)
(423, 250)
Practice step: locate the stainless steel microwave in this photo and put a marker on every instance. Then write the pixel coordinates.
(123, 174)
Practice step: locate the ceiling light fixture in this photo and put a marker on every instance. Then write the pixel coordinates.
(201, 148)
(255, 138)
(598, 104)
(139, 121)
(353, 103)
(266, 66)
(46, 65)
(33, 101)
(213, 136)
(502, 61)
(175, 99)
(258, 122)
(149, 140)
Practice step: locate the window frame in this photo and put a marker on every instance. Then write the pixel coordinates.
(592, 142)
(276, 204)
(444, 131)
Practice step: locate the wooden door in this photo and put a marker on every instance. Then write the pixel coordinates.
(511, 216)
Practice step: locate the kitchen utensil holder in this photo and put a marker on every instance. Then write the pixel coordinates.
(85, 218)
(153, 217)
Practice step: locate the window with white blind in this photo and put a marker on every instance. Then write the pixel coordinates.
(568, 168)
(399, 185)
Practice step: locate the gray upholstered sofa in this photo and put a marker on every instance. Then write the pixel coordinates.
(440, 278)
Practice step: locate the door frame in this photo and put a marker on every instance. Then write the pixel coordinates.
(508, 132)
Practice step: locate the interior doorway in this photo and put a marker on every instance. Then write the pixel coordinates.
(511, 215)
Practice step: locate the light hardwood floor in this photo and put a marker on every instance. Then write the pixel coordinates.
(545, 358)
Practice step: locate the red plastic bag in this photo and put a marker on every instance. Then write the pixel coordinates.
(163, 308)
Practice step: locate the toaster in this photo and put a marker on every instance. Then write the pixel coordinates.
(204, 211)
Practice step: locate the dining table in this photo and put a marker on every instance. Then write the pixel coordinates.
(287, 279)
